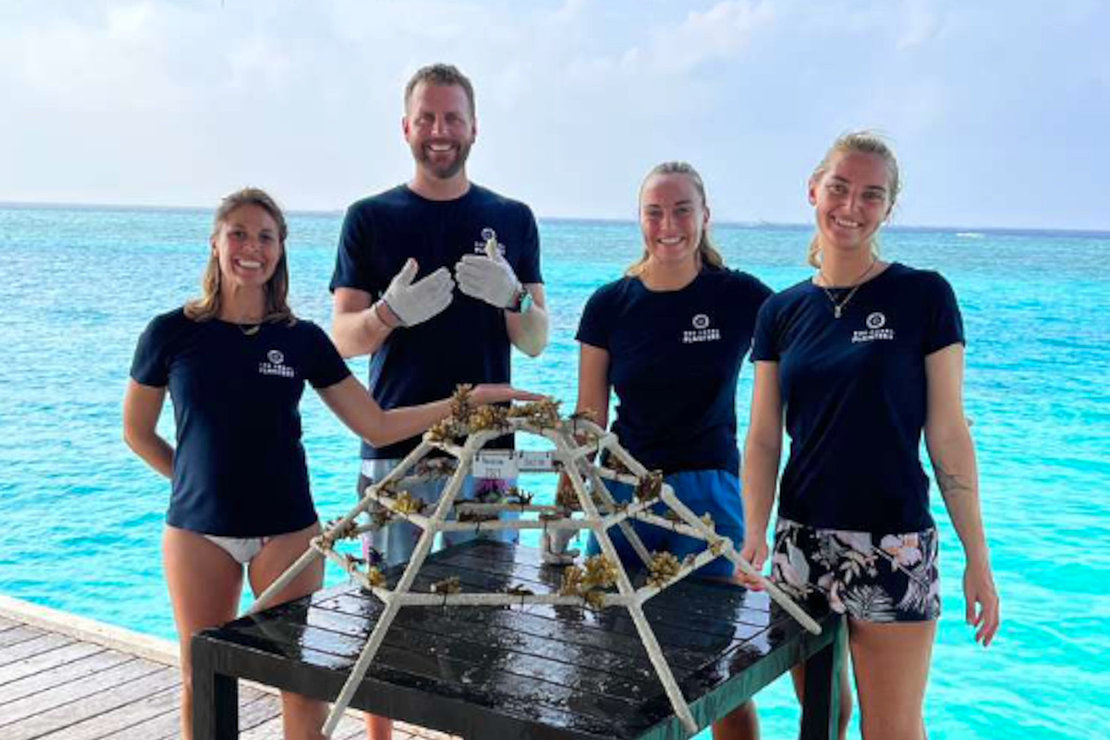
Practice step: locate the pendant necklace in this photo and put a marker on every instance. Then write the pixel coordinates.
(838, 306)
(249, 331)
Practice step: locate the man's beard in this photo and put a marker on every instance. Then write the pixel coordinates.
(444, 171)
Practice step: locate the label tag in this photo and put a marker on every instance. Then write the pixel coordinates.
(511, 463)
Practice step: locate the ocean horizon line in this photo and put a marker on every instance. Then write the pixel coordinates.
(969, 230)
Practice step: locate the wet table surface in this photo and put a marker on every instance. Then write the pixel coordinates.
(532, 671)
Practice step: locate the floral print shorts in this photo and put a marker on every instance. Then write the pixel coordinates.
(874, 578)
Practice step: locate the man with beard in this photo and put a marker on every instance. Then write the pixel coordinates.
(394, 296)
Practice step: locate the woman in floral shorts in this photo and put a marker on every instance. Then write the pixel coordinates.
(858, 363)
(876, 578)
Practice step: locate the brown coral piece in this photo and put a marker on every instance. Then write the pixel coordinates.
(595, 599)
(615, 464)
(649, 486)
(572, 581)
(488, 417)
(447, 586)
(516, 495)
(600, 573)
(447, 430)
(565, 495)
(470, 515)
(663, 567)
(405, 503)
(543, 413)
(460, 403)
(381, 516)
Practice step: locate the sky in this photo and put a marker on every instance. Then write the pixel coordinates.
(999, 111)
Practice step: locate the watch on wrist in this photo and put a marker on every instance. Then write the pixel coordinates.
(521, 303)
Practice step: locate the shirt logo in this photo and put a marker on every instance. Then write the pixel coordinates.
(701, 331)
(487, 234)
(875, 331)
(275, 365)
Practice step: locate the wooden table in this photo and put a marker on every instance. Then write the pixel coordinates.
(521, 672)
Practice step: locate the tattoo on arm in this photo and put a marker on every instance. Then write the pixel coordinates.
(950, 482)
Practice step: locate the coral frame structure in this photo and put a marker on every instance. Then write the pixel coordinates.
(583, 503)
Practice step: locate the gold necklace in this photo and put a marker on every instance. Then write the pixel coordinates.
(838, 306)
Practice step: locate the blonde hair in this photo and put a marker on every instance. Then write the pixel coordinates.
(707, 253)
(207, 307)
(858, 142)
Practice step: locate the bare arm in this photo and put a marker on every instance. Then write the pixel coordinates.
(528, 331)
(142, 405)
(762, 453)
(593, 383)
(358, 327)
(352, 404)
(948, 440)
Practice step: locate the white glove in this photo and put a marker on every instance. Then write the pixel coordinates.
(555, 543)
(414, 303)
(488, 278)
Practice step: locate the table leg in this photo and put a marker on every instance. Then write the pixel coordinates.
(215, 696)
(821, 707)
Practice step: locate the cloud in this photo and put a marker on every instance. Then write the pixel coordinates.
(719, 33)
(174, 101)
(918, 24)
(570, 11)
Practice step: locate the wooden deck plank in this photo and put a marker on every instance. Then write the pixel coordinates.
(17, 634)
(64, 694)
(77, 670)
(57, 720)
(255, 707)
(108, 724)
(348, 726)
(160, 727)
(71, 670)
(29, 648)
(67, 653)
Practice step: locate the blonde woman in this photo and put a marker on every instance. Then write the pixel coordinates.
(858, 362)
(670, 338)
(235, 363)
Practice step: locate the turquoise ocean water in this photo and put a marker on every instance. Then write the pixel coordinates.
(81, 517)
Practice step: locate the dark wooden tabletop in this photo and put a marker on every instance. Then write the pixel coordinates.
(531, 671)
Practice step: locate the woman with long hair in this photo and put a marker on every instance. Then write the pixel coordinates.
(858, 363)
(235, 362)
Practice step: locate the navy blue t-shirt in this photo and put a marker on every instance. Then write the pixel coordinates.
(466, 343)
(239, 467)
(674, 358)
(854, 392)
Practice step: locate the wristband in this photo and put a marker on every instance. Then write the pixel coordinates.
(388, 311)
(521, 303)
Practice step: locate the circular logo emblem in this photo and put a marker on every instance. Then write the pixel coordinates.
(488, 233)
(876, 321)
(701, 321)
(275, 357)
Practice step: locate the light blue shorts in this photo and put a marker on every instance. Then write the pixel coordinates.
(713, 492)
(393, 543)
